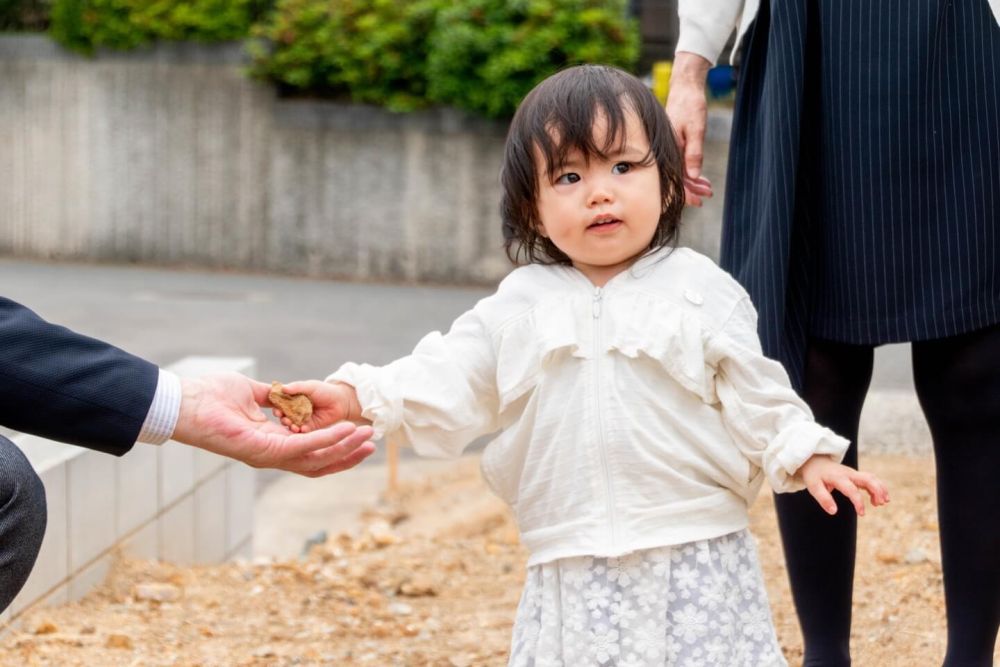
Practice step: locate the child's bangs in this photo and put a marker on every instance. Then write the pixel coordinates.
(570, 128)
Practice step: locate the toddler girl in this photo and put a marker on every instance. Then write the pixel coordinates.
(637, 415)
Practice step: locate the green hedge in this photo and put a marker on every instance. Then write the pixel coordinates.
(372, 51)
(487, 54)
(478, 55)
(83, 25)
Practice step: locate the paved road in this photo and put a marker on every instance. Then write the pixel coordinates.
(295, 328)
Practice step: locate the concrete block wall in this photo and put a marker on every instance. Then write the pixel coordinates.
(173, 503)
(171, 155)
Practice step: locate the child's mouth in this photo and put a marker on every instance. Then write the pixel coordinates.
(602, 225)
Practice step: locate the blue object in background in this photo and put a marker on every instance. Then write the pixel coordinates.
(721, 80)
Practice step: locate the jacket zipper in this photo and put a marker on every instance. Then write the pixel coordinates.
(598, 295)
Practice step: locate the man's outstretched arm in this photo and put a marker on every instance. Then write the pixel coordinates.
(62, 385)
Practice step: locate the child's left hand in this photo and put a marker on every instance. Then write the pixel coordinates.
(822, 475)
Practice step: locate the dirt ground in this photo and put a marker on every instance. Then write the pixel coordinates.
(435, 579)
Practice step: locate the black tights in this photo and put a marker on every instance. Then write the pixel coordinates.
(958, 385)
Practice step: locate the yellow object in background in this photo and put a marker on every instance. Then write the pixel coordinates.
(661, 79)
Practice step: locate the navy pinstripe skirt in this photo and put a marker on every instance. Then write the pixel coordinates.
(863, 191)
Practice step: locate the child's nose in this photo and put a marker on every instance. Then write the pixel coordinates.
(601, 194)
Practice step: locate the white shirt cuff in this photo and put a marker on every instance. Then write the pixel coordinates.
(163, 411)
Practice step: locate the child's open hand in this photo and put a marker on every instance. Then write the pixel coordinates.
(822, 475)
(332, 403)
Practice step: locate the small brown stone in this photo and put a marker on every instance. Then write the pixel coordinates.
(45, 628)
(418, 586)
(298, 408)
(119, 641)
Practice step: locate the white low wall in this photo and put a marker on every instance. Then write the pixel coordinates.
(173, 503)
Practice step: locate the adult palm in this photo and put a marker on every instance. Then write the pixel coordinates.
(222, 413)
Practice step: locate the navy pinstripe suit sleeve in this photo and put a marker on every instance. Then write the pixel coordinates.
(65, 386)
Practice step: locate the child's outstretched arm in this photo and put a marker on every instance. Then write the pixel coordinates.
(821, 475)
(436, 400)
(773, 426)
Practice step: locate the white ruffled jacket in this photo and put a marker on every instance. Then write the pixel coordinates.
(705, 25)
(636, 415)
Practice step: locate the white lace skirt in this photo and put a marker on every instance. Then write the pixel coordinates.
(697, 604)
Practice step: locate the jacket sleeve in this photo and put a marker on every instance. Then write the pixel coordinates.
(771, 425)
(705, 26)
(68, 387)
(439, 398)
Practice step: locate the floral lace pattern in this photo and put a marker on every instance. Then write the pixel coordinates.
(693, 605)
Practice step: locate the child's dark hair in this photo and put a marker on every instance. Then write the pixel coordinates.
(565, 106)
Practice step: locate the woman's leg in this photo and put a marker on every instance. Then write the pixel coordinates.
(819, 549)
(22, 520)
(958, 383)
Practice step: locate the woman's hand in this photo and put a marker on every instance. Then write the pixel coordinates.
(687, 109)
(332, 402)
(822, 475)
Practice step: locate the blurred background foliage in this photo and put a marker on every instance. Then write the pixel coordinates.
(372, 51)
(24, 15)
(487, 54)
(478, 55)
(84, 25)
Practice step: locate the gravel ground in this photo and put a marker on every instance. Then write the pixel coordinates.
(437, 583)
(433, 575)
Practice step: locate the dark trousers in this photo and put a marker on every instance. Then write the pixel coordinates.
(22, 520)
(958, 384)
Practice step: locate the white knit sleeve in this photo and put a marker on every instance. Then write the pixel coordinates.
(439, 398)
(705, 26)
(770, 423)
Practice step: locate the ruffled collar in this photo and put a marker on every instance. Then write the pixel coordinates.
(633, 323)
(639, 269)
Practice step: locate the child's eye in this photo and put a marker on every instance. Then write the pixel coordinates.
(622, 168)
(567, 178)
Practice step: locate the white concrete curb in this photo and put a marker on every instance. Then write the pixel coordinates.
(173, 503)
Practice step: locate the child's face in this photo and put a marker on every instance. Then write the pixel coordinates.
(602, 213)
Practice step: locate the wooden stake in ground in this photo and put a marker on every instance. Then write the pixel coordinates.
(392, 457)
